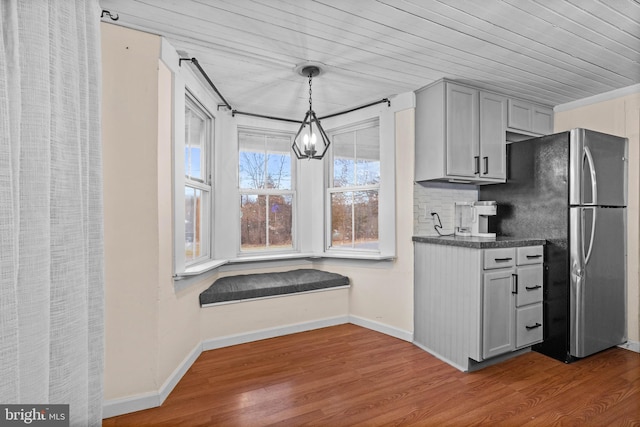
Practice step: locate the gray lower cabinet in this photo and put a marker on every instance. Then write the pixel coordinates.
(473, 305)
(498, 314)
(512, 299)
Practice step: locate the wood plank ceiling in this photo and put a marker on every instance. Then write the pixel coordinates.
(550, 51)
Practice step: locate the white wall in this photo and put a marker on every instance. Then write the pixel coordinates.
(616, 113)
(129, 123)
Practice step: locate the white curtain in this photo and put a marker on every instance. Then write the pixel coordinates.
(51, 245)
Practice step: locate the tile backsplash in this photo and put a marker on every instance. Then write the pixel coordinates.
(438, 197)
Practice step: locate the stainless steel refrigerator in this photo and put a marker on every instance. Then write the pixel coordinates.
(570, 188)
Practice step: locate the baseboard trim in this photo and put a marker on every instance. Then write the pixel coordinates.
(631, 345)
(139, 402)
(381, 327)
(262, 334)
(179, 372)
(115, 407)
(125, 405)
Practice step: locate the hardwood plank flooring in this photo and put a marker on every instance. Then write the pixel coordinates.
(348, 375)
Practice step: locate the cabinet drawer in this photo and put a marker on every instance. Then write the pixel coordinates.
(529, 284)
(529, 255)
(499, 258)
(528, 325)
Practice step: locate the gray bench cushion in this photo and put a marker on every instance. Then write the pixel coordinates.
(246, 286)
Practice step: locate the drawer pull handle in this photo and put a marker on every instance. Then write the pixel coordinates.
(502, 259)
(533, 256)
(532, 288)
(537, 325)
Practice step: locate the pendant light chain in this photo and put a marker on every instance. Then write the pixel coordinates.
(310, 106)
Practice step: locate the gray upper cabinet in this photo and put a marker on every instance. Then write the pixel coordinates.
(461, 132)
(531, 118)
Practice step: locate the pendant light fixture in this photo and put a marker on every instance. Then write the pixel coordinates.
(311, 141)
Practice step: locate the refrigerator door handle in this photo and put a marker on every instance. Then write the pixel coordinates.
(592, 170)
(585, 257)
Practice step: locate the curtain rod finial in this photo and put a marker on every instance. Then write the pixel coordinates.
(112, 16)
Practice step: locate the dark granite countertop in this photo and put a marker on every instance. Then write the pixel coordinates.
(479, 242)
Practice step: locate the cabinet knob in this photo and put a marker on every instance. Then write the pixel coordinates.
(515, 284)
(537, 325)
(486, 165)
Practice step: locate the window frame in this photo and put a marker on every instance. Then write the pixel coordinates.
(292, 191)
(205, 185)
(185, 80)
(330, 189)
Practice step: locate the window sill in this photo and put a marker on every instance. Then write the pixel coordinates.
(196, 269)
(358, 256)
(197, 273)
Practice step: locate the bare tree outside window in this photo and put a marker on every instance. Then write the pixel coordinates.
(354, 188)
(266, 191)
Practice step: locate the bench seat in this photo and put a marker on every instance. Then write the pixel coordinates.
(261, 285)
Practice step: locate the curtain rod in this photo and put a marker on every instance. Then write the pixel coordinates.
(195, 62)
(234, 112)
(357, 108)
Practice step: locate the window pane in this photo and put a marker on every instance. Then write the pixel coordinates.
(195, 134)
(280, 222)
(365, 213)
(354, 219)
(356, 158)
(341, 219)
(251, 169)
(264, 161)
(253, 222)
(368, 156)
(193, 223)
(343, 160)
(278, 162)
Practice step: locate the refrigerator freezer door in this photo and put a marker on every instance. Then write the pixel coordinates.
(597, 169)
(598, 279)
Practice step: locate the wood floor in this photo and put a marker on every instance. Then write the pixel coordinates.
(348, 375)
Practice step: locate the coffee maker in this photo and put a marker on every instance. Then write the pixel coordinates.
(472, 218)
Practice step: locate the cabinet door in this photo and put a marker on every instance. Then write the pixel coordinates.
(493, 128)
(498, 313)
(462, 135)
(520, 115)
(542, 120)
